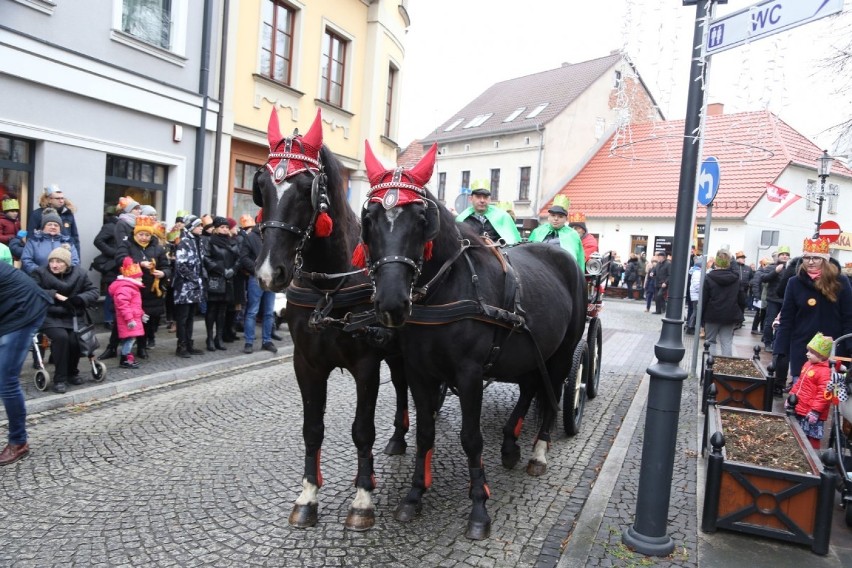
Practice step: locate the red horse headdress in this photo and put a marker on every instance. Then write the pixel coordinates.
(396, 187)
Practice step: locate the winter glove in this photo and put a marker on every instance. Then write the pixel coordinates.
(813, 417)
(229, 273)
(77, 302)
(22, 234)
(145, 318)
(131, 325)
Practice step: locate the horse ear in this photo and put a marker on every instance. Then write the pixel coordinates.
(422, 172)
(374, 166)
(433, 220)
(256, 194)
(273, 130)
(313, 137)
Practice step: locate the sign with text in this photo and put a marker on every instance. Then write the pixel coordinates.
(764, 19)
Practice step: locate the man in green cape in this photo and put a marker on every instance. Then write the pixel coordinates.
(488, 220)
(555, 231)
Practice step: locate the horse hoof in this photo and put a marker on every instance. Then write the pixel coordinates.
(360, 519)
(511, 459)
(536, 468)
(406, 512)
(478, 530)
(303, 516)
(395, 448)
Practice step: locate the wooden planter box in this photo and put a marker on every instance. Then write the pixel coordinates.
(740, 391)
(775, 503)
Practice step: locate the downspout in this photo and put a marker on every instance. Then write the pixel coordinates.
(538, 170)
(220, 117)
(203, 90)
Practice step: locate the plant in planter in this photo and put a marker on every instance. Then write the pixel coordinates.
(741, 383)
(764, 478)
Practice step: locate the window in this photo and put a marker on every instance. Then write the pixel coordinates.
(515, 114)
(496, 144)
(524, 185)
(833, 193)
(617, 82)
(495, 185)
(241, 201)
(537, 110)
(145, 182)
(600, 127)
(148, 20)
(812, 195)
(442, 186)
(478, 120)
(465, 181)
(333, 68)
(389, 102)
(16, 171)
(276, 55)
(453, 125)
(467, 147)
(526, 140)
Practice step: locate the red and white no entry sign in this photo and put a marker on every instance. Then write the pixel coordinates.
(829, 230)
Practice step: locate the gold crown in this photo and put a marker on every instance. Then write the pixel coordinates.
(815, 246)
(145, 223)
(577, 218)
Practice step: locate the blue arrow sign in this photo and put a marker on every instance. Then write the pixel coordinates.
(708, 181)
(764, 19)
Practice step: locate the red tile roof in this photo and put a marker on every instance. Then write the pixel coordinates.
(640, 176)
(411, 155)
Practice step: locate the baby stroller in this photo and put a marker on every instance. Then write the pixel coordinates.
(840, 393)
(89, 344)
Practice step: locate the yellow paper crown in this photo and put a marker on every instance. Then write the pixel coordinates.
(562, 201)
(815, 246)
(577, 217)
(145, 223)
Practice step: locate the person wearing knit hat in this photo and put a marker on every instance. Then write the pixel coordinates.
(72, 291)
(129, 314)
(51, 216)
(811, 406)
(128, 204)
(10, 222)
(148, 211)
(219, 222)
(54, 199)
(41, 243)
(722, 304)
(128, 210)
(188, 284)
(746, 273)
(220, 260)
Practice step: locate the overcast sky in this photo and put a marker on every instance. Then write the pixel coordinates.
(455, 49)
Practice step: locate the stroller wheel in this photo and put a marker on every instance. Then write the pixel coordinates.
(42, 380)
(99, 370)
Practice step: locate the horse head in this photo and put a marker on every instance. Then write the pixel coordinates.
(292, 189)
(399, 221)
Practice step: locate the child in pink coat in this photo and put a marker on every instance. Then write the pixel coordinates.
(129, 317)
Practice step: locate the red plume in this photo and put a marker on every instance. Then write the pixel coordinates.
(273, 131)
(427, 251)
(359, 256)
(313, 137)
(324, 225)
(422, 172)
(375, 169)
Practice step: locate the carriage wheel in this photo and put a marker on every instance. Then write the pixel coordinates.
(595, 341)
(574, 390)
(42, 380)
(99, 371)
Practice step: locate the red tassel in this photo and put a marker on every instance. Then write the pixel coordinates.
(324, 225)
(427, 251)
(359, 256)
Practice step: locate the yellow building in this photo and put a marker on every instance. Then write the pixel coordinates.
(344, 57)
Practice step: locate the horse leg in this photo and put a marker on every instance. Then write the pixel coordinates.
(510, 452)
(314, 391)
(470, 399)
(558, 367)
(361, 515)
(396, 445)
(421, 481)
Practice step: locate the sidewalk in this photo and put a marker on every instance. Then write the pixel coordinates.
(611, 506)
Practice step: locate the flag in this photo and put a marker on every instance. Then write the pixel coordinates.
(783, 197)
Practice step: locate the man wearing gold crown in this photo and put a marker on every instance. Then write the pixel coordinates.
(577, 221)
(556, 232)
(488, 220)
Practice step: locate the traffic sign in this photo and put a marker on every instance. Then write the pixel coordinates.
(708, 181)
(829, 230)
(764, 19)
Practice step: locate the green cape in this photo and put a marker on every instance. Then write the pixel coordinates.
(500, 220)
(568, 239)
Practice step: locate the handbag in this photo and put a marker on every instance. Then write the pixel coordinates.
(86, 337)
(216, 284)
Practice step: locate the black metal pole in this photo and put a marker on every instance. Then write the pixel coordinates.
(819, 209)
(204, 91)
(648, 534)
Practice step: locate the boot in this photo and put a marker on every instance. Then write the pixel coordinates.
(109, 353)
(128, 362)
(210, 345)
(217, 343)
(141, 348)
(59, 387)
(191, 348)
(182, 351)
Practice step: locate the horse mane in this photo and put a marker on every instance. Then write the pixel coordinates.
(344, 217)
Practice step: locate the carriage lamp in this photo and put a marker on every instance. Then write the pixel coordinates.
(824, 163)
(594, 264)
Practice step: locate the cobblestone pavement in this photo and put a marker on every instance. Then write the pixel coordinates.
(204, 473)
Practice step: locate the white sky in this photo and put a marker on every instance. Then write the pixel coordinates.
(455, 49)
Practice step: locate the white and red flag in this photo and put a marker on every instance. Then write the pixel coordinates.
(783, 197)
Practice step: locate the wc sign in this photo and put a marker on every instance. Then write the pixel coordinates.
(764, 19)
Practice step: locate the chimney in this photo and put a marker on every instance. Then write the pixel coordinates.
(715, 109)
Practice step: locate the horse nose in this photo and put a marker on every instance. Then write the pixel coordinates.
(395, 317)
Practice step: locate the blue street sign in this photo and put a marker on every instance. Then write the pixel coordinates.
(764, 19)
(708, 181)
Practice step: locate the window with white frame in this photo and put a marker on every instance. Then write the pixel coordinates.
(442, 186)
(276, 55)
(148, 20)
(524, 184)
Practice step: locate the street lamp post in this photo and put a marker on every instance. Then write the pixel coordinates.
(824, 168)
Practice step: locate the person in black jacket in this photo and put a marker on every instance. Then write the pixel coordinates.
(105, 262)
(72, 290)
(774, 296)
(663, 273)
(259, 300)
(220, 261)
(723, 305)
(745, 273)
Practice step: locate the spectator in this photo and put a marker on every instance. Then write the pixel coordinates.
(650, 285)
(664, 270)
(758, 293)
(128, 210)
(817, 299)
(641, 271)
(220, 262)
(188, 283)
(17, 244)
(631, 274)
(812, 407)
(40, 243)
(72, 292)
(745, 273)
(556, 232)
(229, 335)
(22, 310)
(259, 300)
(10, 223)
(53, 198)
(130, 318)
(774, 297)
(6, 255)
(577, 221)
(695, 281)
(105, 263)
(487, 219)
(722, 305)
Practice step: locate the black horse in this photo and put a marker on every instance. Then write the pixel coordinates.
(309, 232)
(465, 312)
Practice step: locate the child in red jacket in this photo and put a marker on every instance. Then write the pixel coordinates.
(812, 407)
(129, 316)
